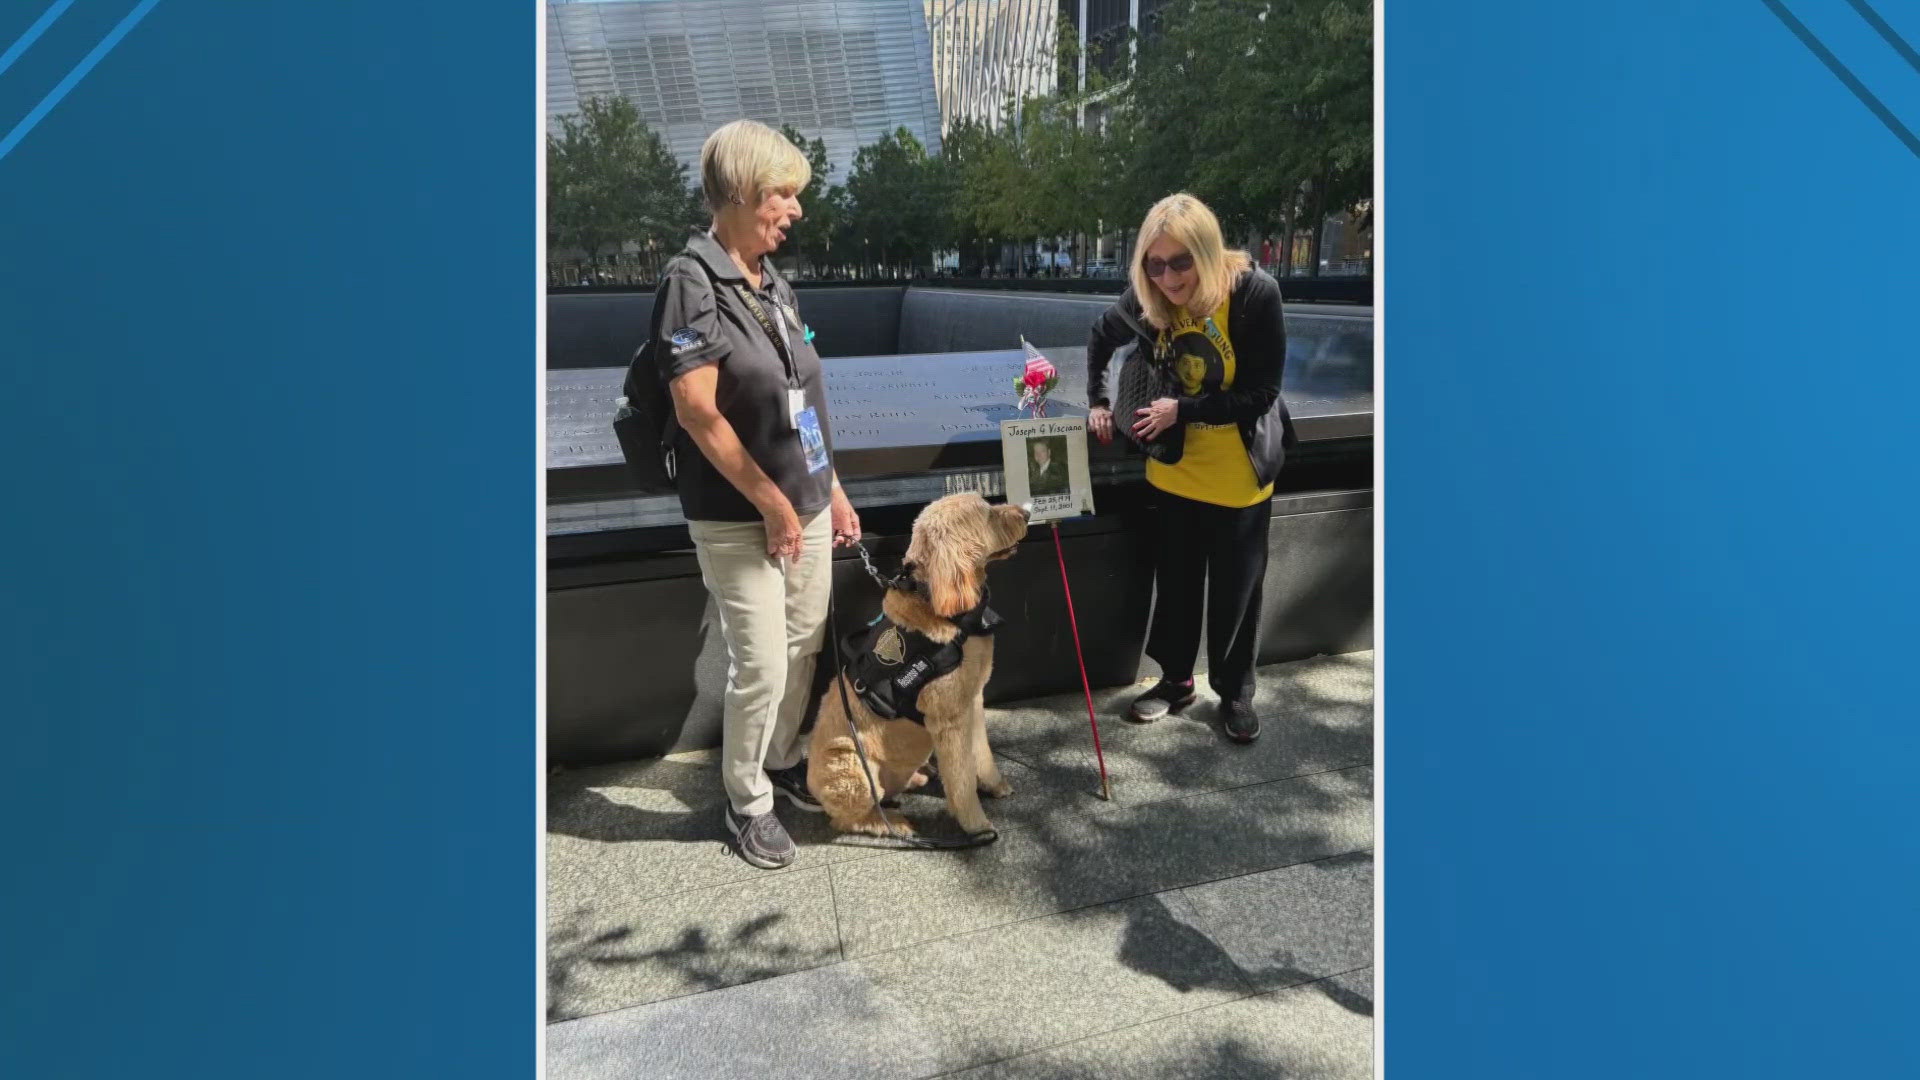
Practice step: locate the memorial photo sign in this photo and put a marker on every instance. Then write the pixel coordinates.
(1046, 466)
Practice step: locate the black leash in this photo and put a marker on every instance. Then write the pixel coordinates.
(853, 727)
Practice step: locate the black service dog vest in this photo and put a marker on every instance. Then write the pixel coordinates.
(889, 664)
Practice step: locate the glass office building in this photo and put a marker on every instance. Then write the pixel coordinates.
(842, 71)
(988, 54)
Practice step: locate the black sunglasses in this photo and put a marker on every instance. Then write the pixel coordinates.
(1179, 264)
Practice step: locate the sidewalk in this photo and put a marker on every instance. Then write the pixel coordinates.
(1215, 920)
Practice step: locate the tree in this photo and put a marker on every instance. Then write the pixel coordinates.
(893, 201)
(1071, 174)
(813, 235)
(1333, 113)
(1041, 175)
(611, 180)
(961, 188)
(1273, 131)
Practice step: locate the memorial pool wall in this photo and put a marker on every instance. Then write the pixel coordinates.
(634, 665)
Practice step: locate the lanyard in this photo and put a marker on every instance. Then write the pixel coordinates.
(780, 343)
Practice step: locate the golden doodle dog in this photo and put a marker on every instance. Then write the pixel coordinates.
(940, 597)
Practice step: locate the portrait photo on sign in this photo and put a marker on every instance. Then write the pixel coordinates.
(1046, 466)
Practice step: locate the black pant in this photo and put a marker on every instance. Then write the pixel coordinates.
(1225, 551)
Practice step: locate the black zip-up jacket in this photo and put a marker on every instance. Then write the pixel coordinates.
(1258, 329)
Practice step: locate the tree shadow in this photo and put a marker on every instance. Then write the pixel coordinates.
(694, 954)
(1157, 936)
(1219, 1043)
(592, 967)
(1293, 808)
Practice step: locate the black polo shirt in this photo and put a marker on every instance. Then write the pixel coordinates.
(701, 319)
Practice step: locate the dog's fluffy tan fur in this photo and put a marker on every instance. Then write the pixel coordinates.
(954, 539)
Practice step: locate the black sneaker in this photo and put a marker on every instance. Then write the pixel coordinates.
(1165, 697)
(791, 782)
(763, 841)
(1241, 722)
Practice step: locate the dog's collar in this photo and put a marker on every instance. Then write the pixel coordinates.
(905, 582)
(978, 619)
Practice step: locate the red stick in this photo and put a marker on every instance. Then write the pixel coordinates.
(1106, 789)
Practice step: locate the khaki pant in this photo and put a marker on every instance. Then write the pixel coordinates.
(773, 624)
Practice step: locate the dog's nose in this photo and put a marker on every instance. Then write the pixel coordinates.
(1026, 510)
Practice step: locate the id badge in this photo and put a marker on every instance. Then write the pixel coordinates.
(796, 404)
(813, 443)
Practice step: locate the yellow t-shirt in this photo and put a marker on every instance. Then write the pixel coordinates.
(1214, 468)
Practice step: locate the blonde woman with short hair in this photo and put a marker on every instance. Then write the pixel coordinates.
(756, 482)
(1211, 322)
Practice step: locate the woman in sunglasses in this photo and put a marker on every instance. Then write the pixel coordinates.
(1211, 323)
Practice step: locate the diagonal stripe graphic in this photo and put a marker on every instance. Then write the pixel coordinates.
(1874, 20)
(1834, 65)
(33, 34)
(80, 71)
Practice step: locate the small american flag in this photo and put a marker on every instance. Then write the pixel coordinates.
(1034, 383)
(1035, 361)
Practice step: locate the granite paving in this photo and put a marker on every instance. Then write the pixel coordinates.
(1214, 919)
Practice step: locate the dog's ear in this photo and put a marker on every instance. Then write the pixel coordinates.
(953, 584)
(948, 556)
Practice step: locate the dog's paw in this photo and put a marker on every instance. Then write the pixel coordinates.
(996, 791)
(918, 779)
(981, 839)
(875, 823)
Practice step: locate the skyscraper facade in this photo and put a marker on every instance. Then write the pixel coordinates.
(988, 54)
(842, 71)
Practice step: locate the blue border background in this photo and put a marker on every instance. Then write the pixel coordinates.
(1650, 544)
(270, 298)
(268, 417)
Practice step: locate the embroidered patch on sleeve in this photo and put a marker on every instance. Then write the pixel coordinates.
(686, 338)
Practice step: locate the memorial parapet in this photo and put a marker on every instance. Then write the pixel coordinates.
(909, 428)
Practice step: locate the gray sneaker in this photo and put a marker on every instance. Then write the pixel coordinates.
(791, 783)
(1240, 722)
(1165, 697)
(763, 841)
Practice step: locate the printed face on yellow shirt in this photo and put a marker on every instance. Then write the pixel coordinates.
(1191, 370)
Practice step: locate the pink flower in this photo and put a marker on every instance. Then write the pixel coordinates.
(1036, 378)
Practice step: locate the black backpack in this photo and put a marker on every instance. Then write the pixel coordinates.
(645, 422)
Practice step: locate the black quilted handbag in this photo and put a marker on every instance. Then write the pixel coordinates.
(1141, 381)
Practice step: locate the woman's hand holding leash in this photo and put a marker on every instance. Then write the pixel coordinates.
(846, 522)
